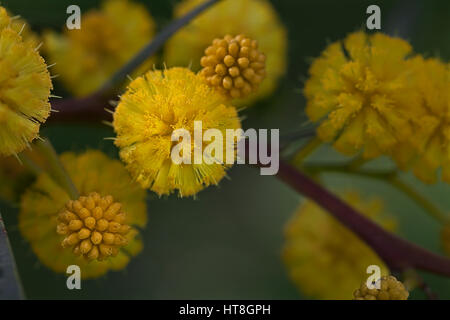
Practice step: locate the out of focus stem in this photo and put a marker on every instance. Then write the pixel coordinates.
(429, 207)
(306, 151)
(388, 176)
(91, 108)
(398, 254)
(29, 164)
(156, 43)
(55, 168)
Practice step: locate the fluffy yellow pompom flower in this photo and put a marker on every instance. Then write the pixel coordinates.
(108, 38)
(46, 209)
(364, 89)
(325, 259)
(21, 26)
(25, 86)
(428, 148)
(256, 19)
(148, 113)
(390, 289)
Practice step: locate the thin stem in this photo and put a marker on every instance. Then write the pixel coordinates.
(419, 199)
(296, 136)
(396, 252)
(306, 150)
(29, 163)
(154, 46)
(56, 168)
(347, 169)
(387, 176)
(357, 163)
(91, 108)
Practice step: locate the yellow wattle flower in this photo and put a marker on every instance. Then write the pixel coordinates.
(25, 87)
(86, 58)
(94, 226)
(428, 148)
(256, 19)
(325, 259)
(22, 27)
(29, 37)
(155, 105)
(40, 218)
(234, 65)
(362, 91)
(390, 289)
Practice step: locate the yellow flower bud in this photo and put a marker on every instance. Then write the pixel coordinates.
(45, 198)
(98, 235)
(257, 19)
(390, 289)
(229, 58)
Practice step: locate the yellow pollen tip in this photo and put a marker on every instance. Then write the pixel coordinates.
(234, 65)
(93, 226)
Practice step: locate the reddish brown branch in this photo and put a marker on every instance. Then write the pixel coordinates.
(398, 254)
(90, 108)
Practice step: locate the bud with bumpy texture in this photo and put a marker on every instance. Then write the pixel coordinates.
(234, 65)
(93, 226)
(390, 289)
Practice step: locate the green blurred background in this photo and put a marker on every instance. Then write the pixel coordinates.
(227, 243)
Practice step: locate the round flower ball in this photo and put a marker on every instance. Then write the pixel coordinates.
(25, 87)
(362, 92)
(152, 108)
(234, 66)
(98, 231)
(427, 151)
(257, 19)
(389, 289)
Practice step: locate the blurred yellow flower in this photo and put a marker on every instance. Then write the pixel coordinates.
(362, 91)
(256, 19)
(428, 147)
(148, 113)
(108, 38)
(41, 205)
(325, 259)
(25, 87)
(390, 289)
